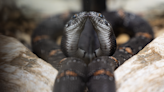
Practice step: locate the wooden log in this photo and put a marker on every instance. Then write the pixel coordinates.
(21, 70)
(143, 72)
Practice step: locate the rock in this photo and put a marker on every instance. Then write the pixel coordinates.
(143, 72)
(21, 70)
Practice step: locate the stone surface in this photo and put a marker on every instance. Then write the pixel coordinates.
(21, 70)
(143, 72)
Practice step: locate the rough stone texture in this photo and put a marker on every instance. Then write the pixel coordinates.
(21, 70)
(143, 72)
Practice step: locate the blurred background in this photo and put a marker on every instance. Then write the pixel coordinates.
(18, 18)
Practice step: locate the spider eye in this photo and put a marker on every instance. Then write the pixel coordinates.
(100, 15)
(74, 16)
